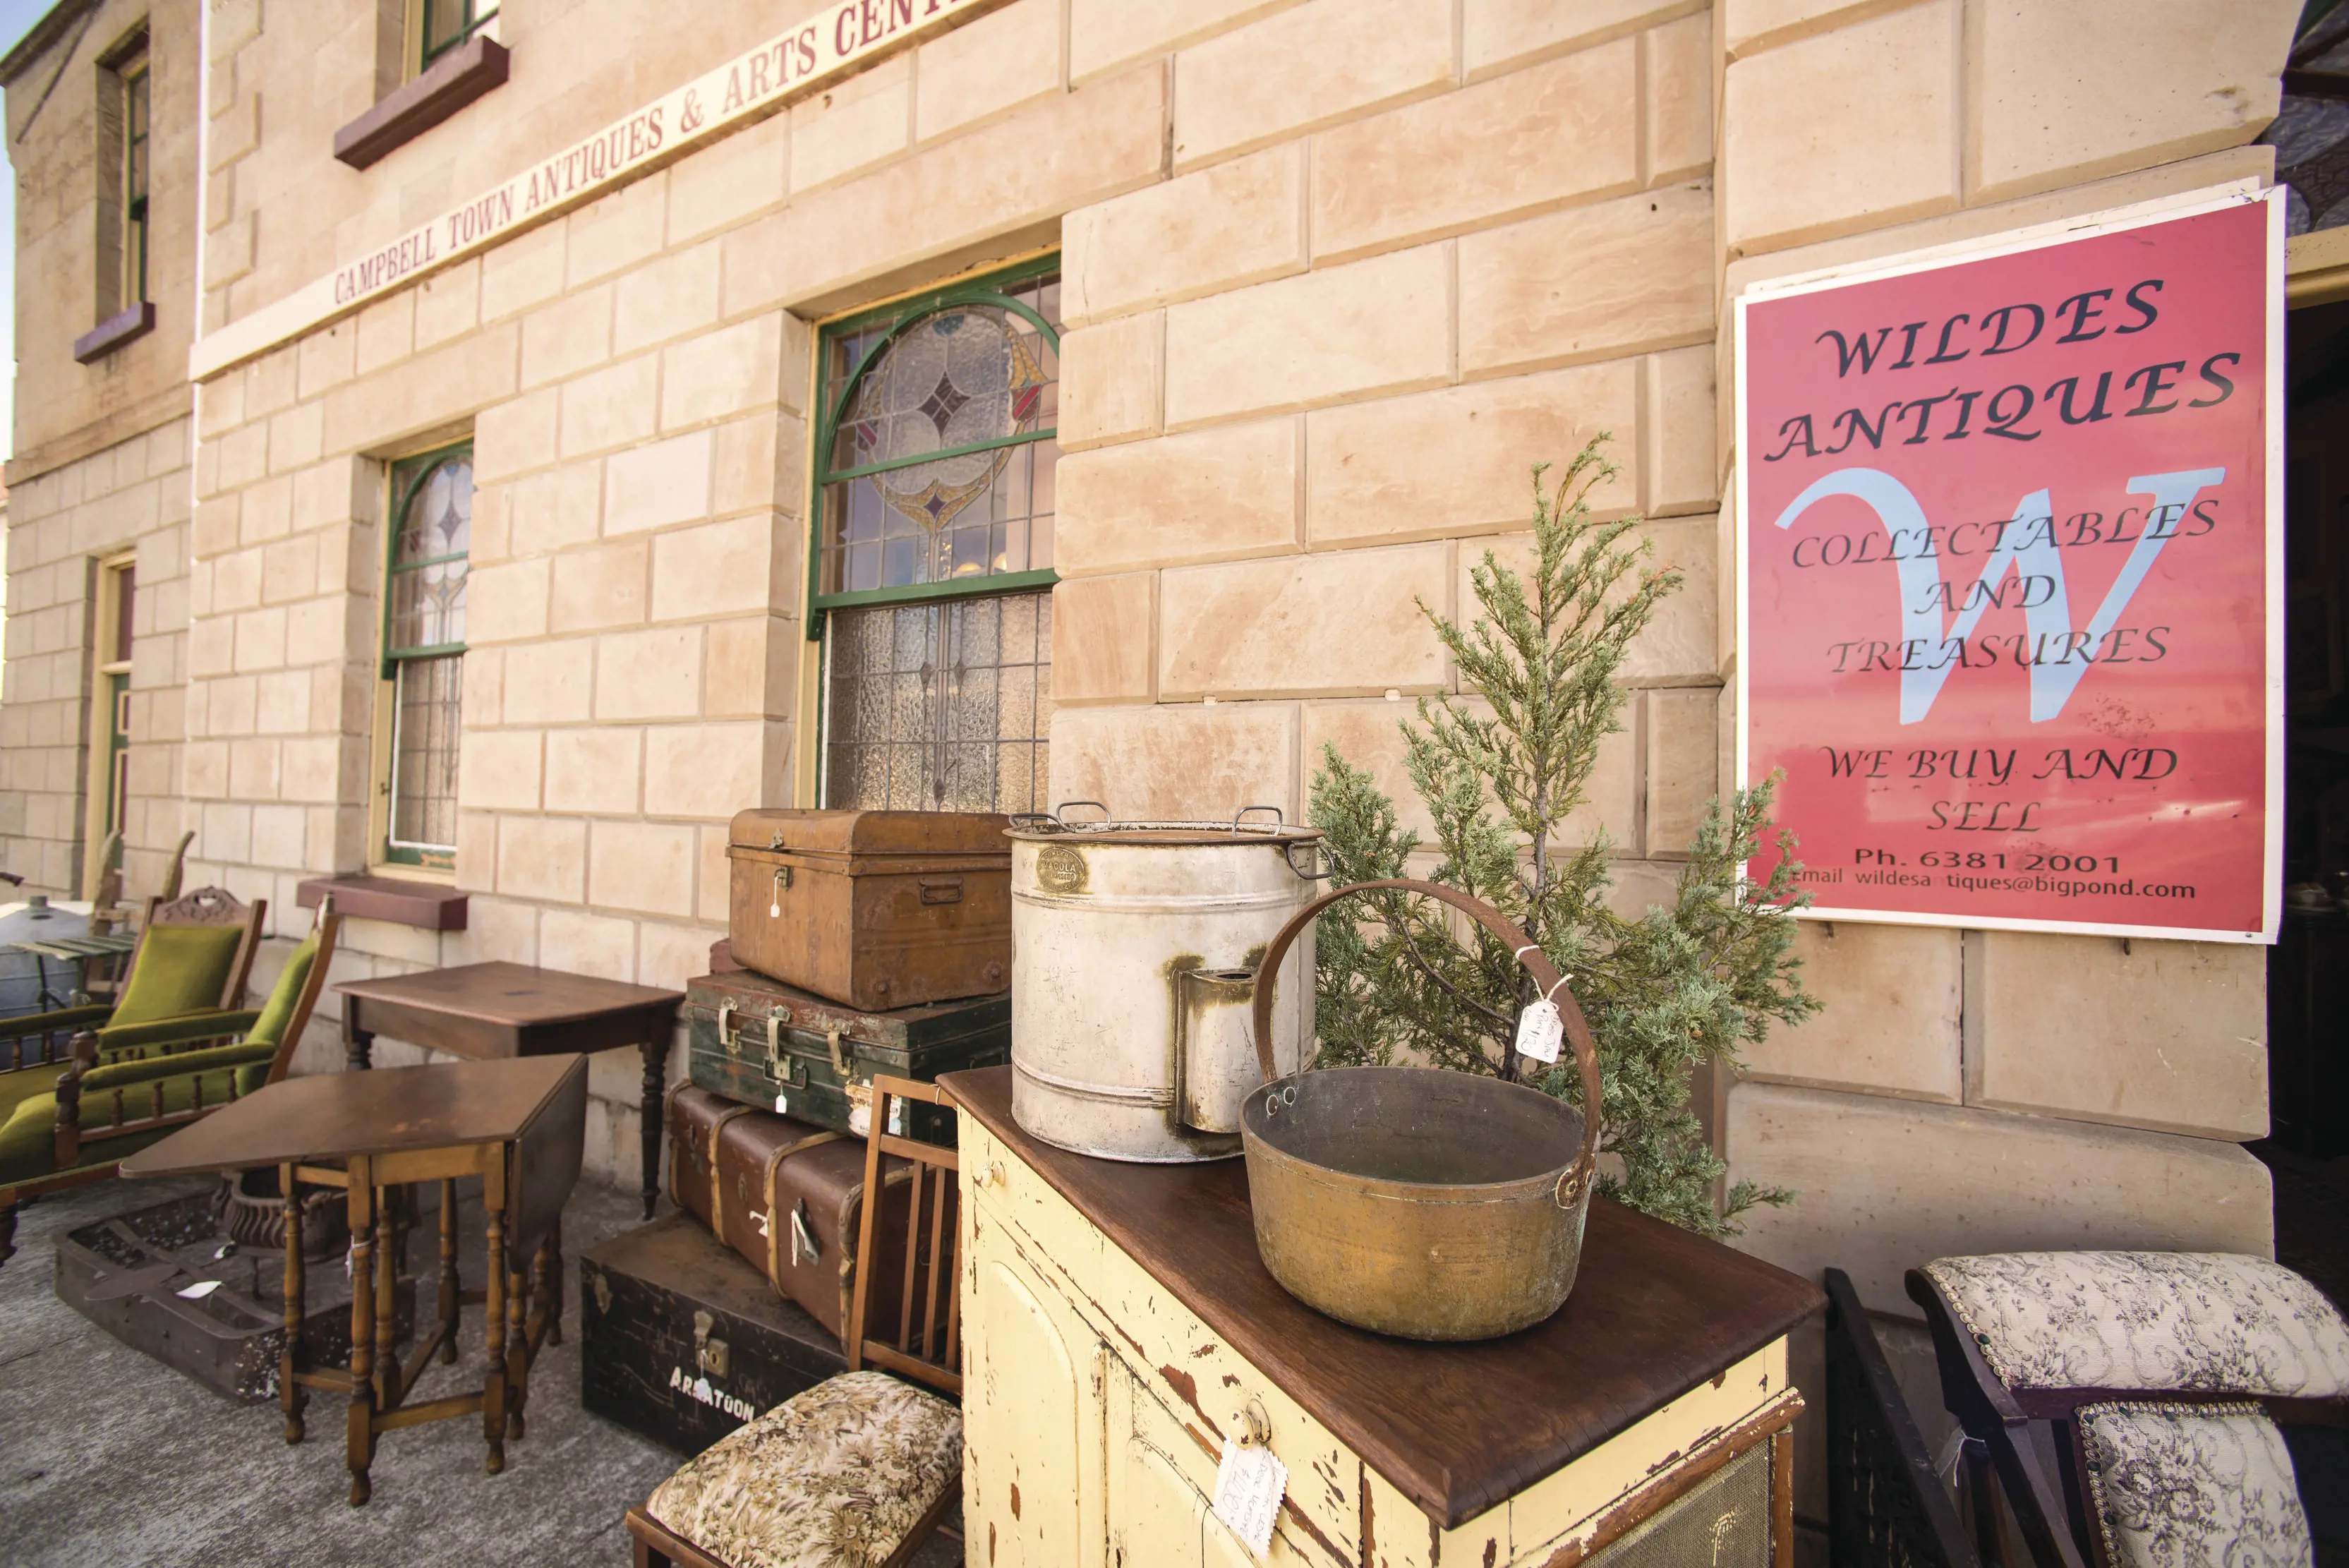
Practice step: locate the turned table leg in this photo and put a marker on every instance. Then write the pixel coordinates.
(493, 1314)
(449, 1286)
(359, 1045)
(290, 1395)
(655, 1055)
(360, 1435)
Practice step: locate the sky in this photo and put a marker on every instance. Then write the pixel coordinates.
(16, 19)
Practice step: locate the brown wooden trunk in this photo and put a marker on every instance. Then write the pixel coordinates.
(788, 1198)
(877, 910)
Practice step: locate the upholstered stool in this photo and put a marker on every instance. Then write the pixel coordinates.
(2167, 1379)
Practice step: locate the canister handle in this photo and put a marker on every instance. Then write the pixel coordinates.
(1577, 1175)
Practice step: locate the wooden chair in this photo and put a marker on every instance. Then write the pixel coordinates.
(194, 955)
(2166, 1386)
(907, 1469)
(99, 1112)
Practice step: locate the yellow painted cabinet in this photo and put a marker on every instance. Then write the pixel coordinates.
(1032, 1418)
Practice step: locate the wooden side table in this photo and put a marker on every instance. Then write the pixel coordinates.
(492, 1011)
(520, 1125)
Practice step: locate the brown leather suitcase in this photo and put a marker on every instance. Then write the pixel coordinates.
(877, 909)
(789, 1199)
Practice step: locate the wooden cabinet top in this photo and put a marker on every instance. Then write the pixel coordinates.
(1457, 1429)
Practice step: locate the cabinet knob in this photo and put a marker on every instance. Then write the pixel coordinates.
(987, 1177)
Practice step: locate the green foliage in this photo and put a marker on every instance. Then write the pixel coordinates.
(1500, 770)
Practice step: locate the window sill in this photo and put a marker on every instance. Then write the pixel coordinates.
(427, 905)
(115, 331)
(456, 79)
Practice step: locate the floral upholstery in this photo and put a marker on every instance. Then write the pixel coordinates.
(833, 1478)
(2192, 1486)
(2192, 1320)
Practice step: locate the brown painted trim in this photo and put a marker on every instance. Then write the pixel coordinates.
(115, 331)
(144, 418)
(427, 905)
(1768, 1422)
(409, 112)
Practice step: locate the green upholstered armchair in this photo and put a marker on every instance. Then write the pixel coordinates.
(96, 1113)
(193, 956)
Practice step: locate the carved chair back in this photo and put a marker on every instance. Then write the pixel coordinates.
(209, 906)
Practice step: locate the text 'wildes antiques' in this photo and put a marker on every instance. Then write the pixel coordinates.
(2008, 591)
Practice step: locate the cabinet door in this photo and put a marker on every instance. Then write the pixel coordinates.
(1032, 1417)
(1157, 1516)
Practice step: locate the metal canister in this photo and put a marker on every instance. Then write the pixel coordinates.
(1134, 952)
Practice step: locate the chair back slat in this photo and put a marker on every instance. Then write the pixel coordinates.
(932, 1278)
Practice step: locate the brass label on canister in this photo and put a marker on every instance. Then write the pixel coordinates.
(1060, 869)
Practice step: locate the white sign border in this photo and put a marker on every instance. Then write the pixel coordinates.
(2041, 237)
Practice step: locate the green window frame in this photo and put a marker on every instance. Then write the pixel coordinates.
(851, 347)
(931, 594)
(427, 560)
(451, 23)
(138, 128)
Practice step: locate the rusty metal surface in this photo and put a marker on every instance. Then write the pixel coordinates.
(1416, 1201)
(1135, 957)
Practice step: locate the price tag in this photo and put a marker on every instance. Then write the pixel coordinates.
(782, 1106)
(200, 1290)
(1249, 1483)
(1539, 1030)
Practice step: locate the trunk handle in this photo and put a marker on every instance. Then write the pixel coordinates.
(1576, 1178)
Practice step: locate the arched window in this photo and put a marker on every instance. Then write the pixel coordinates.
(424, 654)
(934, 500)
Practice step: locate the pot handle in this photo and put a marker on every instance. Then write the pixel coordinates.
(1577, 1175)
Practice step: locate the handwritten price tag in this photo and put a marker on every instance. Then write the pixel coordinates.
(1249, 1484)
(1539, 1030)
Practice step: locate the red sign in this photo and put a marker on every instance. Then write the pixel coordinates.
(2011, 530)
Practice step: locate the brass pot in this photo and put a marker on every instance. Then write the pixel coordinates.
(1416, 1201)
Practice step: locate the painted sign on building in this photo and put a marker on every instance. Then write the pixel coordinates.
(2010, 534)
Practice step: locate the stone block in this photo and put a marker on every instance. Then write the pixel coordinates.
(517, 435)
(500, 770)
(1111, 381)
(656, 484)
(987, 68)
(1300, 69)
(1223, 227)
(953, 204)
(1848, 128)
(721, 185)
(669, 956)
(1677, 442)
(551, 509)
(583, 943)
(716, 568)
(2167, 1035)
(496, 930)
(1676, 74)
(757, 463)
(1883, 1186)
(1749, 27)
(1346, 332)
(1891, 1015)
(1188, 762)
(854, 125)
(325, 358)
(646, 865)
(616, 230)
(675, 294)
(751, 668)
(1109, 34)
(523, 271)
(711, 771)
(567, 337)
(2205, 79)
(721, 373)
(1367, 734)
(1221, 494)
(1504, 148)
(1683, 766)
(541, 857)
(548, 682)
(594, 772)
(1101, 639)
(421, 391)
(611, 407)
(448, 304)
(648, 674)
(289, 569)
(1588, 283)
(602, 586)
(1460, 460)
(1342, 624)
(1503, 34)
(387, 332)
(507, 603)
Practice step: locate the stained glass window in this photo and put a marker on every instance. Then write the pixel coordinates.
(934, 547)
(137, 136)
(424, 650)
